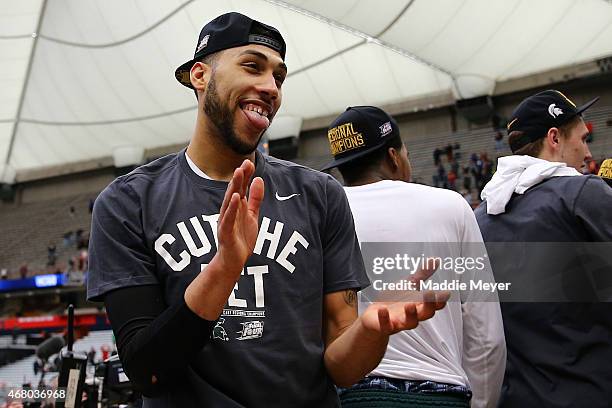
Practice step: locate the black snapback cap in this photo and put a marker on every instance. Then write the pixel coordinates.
(358, 131)
(540, 112)
(228, 31)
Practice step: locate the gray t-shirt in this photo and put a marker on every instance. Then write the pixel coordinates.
(158, 225)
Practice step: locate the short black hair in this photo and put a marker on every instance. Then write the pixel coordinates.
(355, 169)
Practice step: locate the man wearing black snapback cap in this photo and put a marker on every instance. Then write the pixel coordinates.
(219, 295)
(558, 353)
(457, 358)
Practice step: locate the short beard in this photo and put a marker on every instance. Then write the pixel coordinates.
(222, 118)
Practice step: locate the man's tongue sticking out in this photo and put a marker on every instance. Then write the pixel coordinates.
(257, 120)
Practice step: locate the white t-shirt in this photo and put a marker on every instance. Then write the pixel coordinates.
(464, 342)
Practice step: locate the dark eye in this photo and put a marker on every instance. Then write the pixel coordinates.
(280, 78)
(250, 65)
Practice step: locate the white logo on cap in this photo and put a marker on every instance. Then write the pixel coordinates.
(385, 129)
(554, 111)
(203, 43)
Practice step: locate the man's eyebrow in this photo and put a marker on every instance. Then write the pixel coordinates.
(262, 56)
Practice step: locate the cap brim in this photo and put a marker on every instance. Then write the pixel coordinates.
(182, 74)
(586, 105)
(338, 162)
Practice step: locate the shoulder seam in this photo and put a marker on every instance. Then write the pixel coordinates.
(139, 172)
(290, 164)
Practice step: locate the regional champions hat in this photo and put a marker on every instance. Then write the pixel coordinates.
(605, 171)
(358, 131)
(540, 112)
(228, 31)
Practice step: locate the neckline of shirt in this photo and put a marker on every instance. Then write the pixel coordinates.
(195, 168)
(206, 181)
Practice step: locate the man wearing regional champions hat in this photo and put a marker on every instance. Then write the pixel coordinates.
(538, 201)
(229, 278)
(459, 353)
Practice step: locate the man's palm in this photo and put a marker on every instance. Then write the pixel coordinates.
(239, 217)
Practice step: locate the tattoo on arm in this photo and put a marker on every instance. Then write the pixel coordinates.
(350, 297)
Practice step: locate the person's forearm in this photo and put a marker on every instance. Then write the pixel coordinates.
(207, 294)
(155, 355)
(146, 331)
(355, 353)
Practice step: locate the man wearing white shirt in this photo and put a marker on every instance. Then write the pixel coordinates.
(461, 352)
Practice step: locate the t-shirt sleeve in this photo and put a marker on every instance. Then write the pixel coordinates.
(342, 260)
(592, 207)
(118, 252)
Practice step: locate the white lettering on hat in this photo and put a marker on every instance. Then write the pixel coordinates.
(385, 129)
(203, 43)
(554, 111)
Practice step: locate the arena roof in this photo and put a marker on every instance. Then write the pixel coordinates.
(82, 78)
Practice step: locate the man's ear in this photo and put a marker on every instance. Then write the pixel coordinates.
(393, 156)
(552, 138)
(199, 76)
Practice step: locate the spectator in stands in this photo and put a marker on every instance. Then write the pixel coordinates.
(82, 261)
(51, 254)
(487, 170)
(82, 239)
(436, 156)
(448, 150)
(592, 167)
(454, 166)
(3, 274)
(68, 239)
(452, 178)
(467, 178)
(23, 270)
(105, 351)
(72, 263)
(91, 355)
(443, 182)
(457, 151)
(473, 159)
(72, 211)
(475, 169)
(499, 142)
(91, 205)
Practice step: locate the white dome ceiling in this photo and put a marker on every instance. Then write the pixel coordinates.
(81, 78)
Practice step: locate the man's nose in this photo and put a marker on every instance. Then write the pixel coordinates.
(588, 154)
(268, 86)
